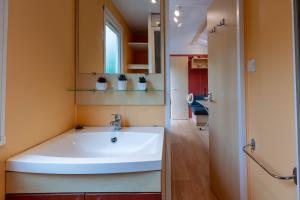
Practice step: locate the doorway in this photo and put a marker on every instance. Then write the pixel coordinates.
(227, 135)
(268, 71)
(189, 79)
(188, 75)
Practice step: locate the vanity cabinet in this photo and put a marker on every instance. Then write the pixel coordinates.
(75, 196)
(123, 196)
(86, 196)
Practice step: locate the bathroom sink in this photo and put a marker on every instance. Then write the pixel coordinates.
(93, 144)
(94, 151)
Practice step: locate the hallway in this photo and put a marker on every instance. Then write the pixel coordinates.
(190, 162)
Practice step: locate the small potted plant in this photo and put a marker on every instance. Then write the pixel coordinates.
(122, 82)
(101, 83)
(142, 84)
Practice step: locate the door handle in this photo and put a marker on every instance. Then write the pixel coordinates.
(210, 97)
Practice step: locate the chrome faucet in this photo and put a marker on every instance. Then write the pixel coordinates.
(117, 122)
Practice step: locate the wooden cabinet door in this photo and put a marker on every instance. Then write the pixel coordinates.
(123, 196)
(75, 196)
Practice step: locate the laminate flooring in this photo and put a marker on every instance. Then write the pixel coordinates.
(190, 162)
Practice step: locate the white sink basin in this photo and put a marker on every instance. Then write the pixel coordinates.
(91, 151)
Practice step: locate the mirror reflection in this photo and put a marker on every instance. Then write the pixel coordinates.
(131, 37)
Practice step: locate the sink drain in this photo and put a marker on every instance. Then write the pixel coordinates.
(114, 140)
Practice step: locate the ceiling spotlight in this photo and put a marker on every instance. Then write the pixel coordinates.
(177, 11)
(153, 1)
(179, 24)
(175, 19)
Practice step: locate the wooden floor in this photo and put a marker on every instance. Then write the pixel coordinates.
(190, 162)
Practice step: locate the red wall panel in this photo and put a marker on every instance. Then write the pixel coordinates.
(198, 80)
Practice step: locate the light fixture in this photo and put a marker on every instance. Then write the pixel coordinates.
(175, 19)
(153, 1)
(177, 11)
(178, 16)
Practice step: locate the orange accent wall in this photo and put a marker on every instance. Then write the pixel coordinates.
(270, 96)
(41, 66)
(131, 115)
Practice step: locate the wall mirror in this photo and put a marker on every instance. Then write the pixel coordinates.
(119, 36)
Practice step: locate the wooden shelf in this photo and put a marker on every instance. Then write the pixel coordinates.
(138, 66)
(113, 90)
(199, 63)
(138, 45)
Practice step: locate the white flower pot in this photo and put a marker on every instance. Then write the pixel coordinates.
(142, 86)
(122, 85)
(101, 86)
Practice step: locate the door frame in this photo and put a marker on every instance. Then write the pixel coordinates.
(167, 102)
(240, 91)
(296, 62)
(3, 63)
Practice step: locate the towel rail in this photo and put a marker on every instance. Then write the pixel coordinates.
(252, 145)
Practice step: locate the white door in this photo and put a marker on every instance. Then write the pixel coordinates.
(179, 87)
(223, 109)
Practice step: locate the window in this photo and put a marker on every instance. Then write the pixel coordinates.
(3, 40)
(113, 44)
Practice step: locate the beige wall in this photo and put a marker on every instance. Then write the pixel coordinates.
(41, 60)
(270, 96)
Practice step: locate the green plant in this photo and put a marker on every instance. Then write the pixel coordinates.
(142, 80)
(101, 80)
(122, 77)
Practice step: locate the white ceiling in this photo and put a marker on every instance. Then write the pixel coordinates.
(136, 12)
(194, 14)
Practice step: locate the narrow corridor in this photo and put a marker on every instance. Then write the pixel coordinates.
(190, 162)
